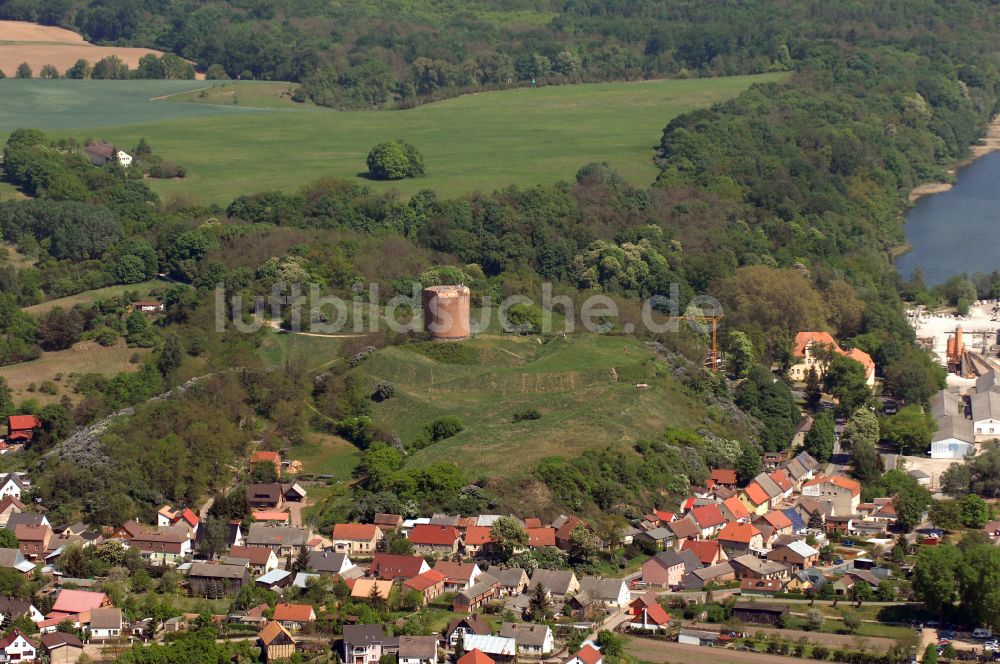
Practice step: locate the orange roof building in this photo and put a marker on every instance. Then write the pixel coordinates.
(475, 656)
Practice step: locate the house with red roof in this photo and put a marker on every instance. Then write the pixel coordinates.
(724, 477)
(358, 540)
(478, 540)
(261, 559)
(430, 584)
(16, 647)
(73, 602)
(709, 519)
(588, 654)
(541, 537)
(294, 616)
(778, 521)
(650, 619)
(429, 539)
(475, 656)
(33, 541)
(709, 552)
(843, 493)
(737, 538)
(755, 499)
(457, 576)
(784, 482)
(811, 350)
(266, 456)
(21, 428)
(392, 566)
(734, 510)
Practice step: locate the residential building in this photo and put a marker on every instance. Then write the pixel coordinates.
(650, 618)
(284, 540)
(463, 627)
(669, 568)
(811, 350)
(163, 545)
(485, 590)
(294, 617)
(714, 575)
(763, 587)
(559, 583)
(475, 656)
(264, 457)
(430, 539)
(750, 566)
(458, 576)
(276, 643)
(842, 492)
(588, 654)
(709, 518)
(478, 540)
(709, 552)
(105, 623)
(387, 522)
(955, 436)
(723, 476)
(14, 559)
(264, 496)
(391, 566)
(329, 562)
(33, 540)
(16, 647)
(368, 588)
(356, 539)
(738, 538)
(533, 640)
(609, 592)
(499, 648)
(217, 580)
(513, 580)
(61, 648)
(21, 429)
(798, 555)
(430, 584)
(362, 644)
(755, 499)
(261, 559)
(417, 650)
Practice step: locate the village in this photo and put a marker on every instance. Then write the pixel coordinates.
(731, 558)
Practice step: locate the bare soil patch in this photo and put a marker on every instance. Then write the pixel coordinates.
(40, 45)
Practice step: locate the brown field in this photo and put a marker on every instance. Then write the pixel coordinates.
(85, 357)
(45, 45)
(650, 650)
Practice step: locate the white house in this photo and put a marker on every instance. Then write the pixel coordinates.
(12, 485)
(417, 650)
(955, 437)
(105, 623)
(535, 640)
(985, 404)
(123, 158)
(17, 648)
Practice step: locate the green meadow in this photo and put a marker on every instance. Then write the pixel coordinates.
(583, 385)
(485, 141)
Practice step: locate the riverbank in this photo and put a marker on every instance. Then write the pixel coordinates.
(989, 143)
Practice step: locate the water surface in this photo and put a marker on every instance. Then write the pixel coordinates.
(957, 230)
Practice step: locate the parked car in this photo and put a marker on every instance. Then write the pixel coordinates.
(890, 407)
(991, 645)
(982, 633)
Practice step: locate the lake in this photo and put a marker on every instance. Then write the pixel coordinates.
(957, 230)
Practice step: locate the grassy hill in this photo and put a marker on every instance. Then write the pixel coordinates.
(477, 142)
(583, 385)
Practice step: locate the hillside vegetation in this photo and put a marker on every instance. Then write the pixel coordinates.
(583, 386)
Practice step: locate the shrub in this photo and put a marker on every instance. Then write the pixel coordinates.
(395, 160)
(526, 414)
(383, 390)
(444, 427)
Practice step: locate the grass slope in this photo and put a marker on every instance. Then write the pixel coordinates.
(90, 296)
(476, 142)
(64, 104)
(584, 386)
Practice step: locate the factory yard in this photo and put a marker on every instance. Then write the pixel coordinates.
(979, 328)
